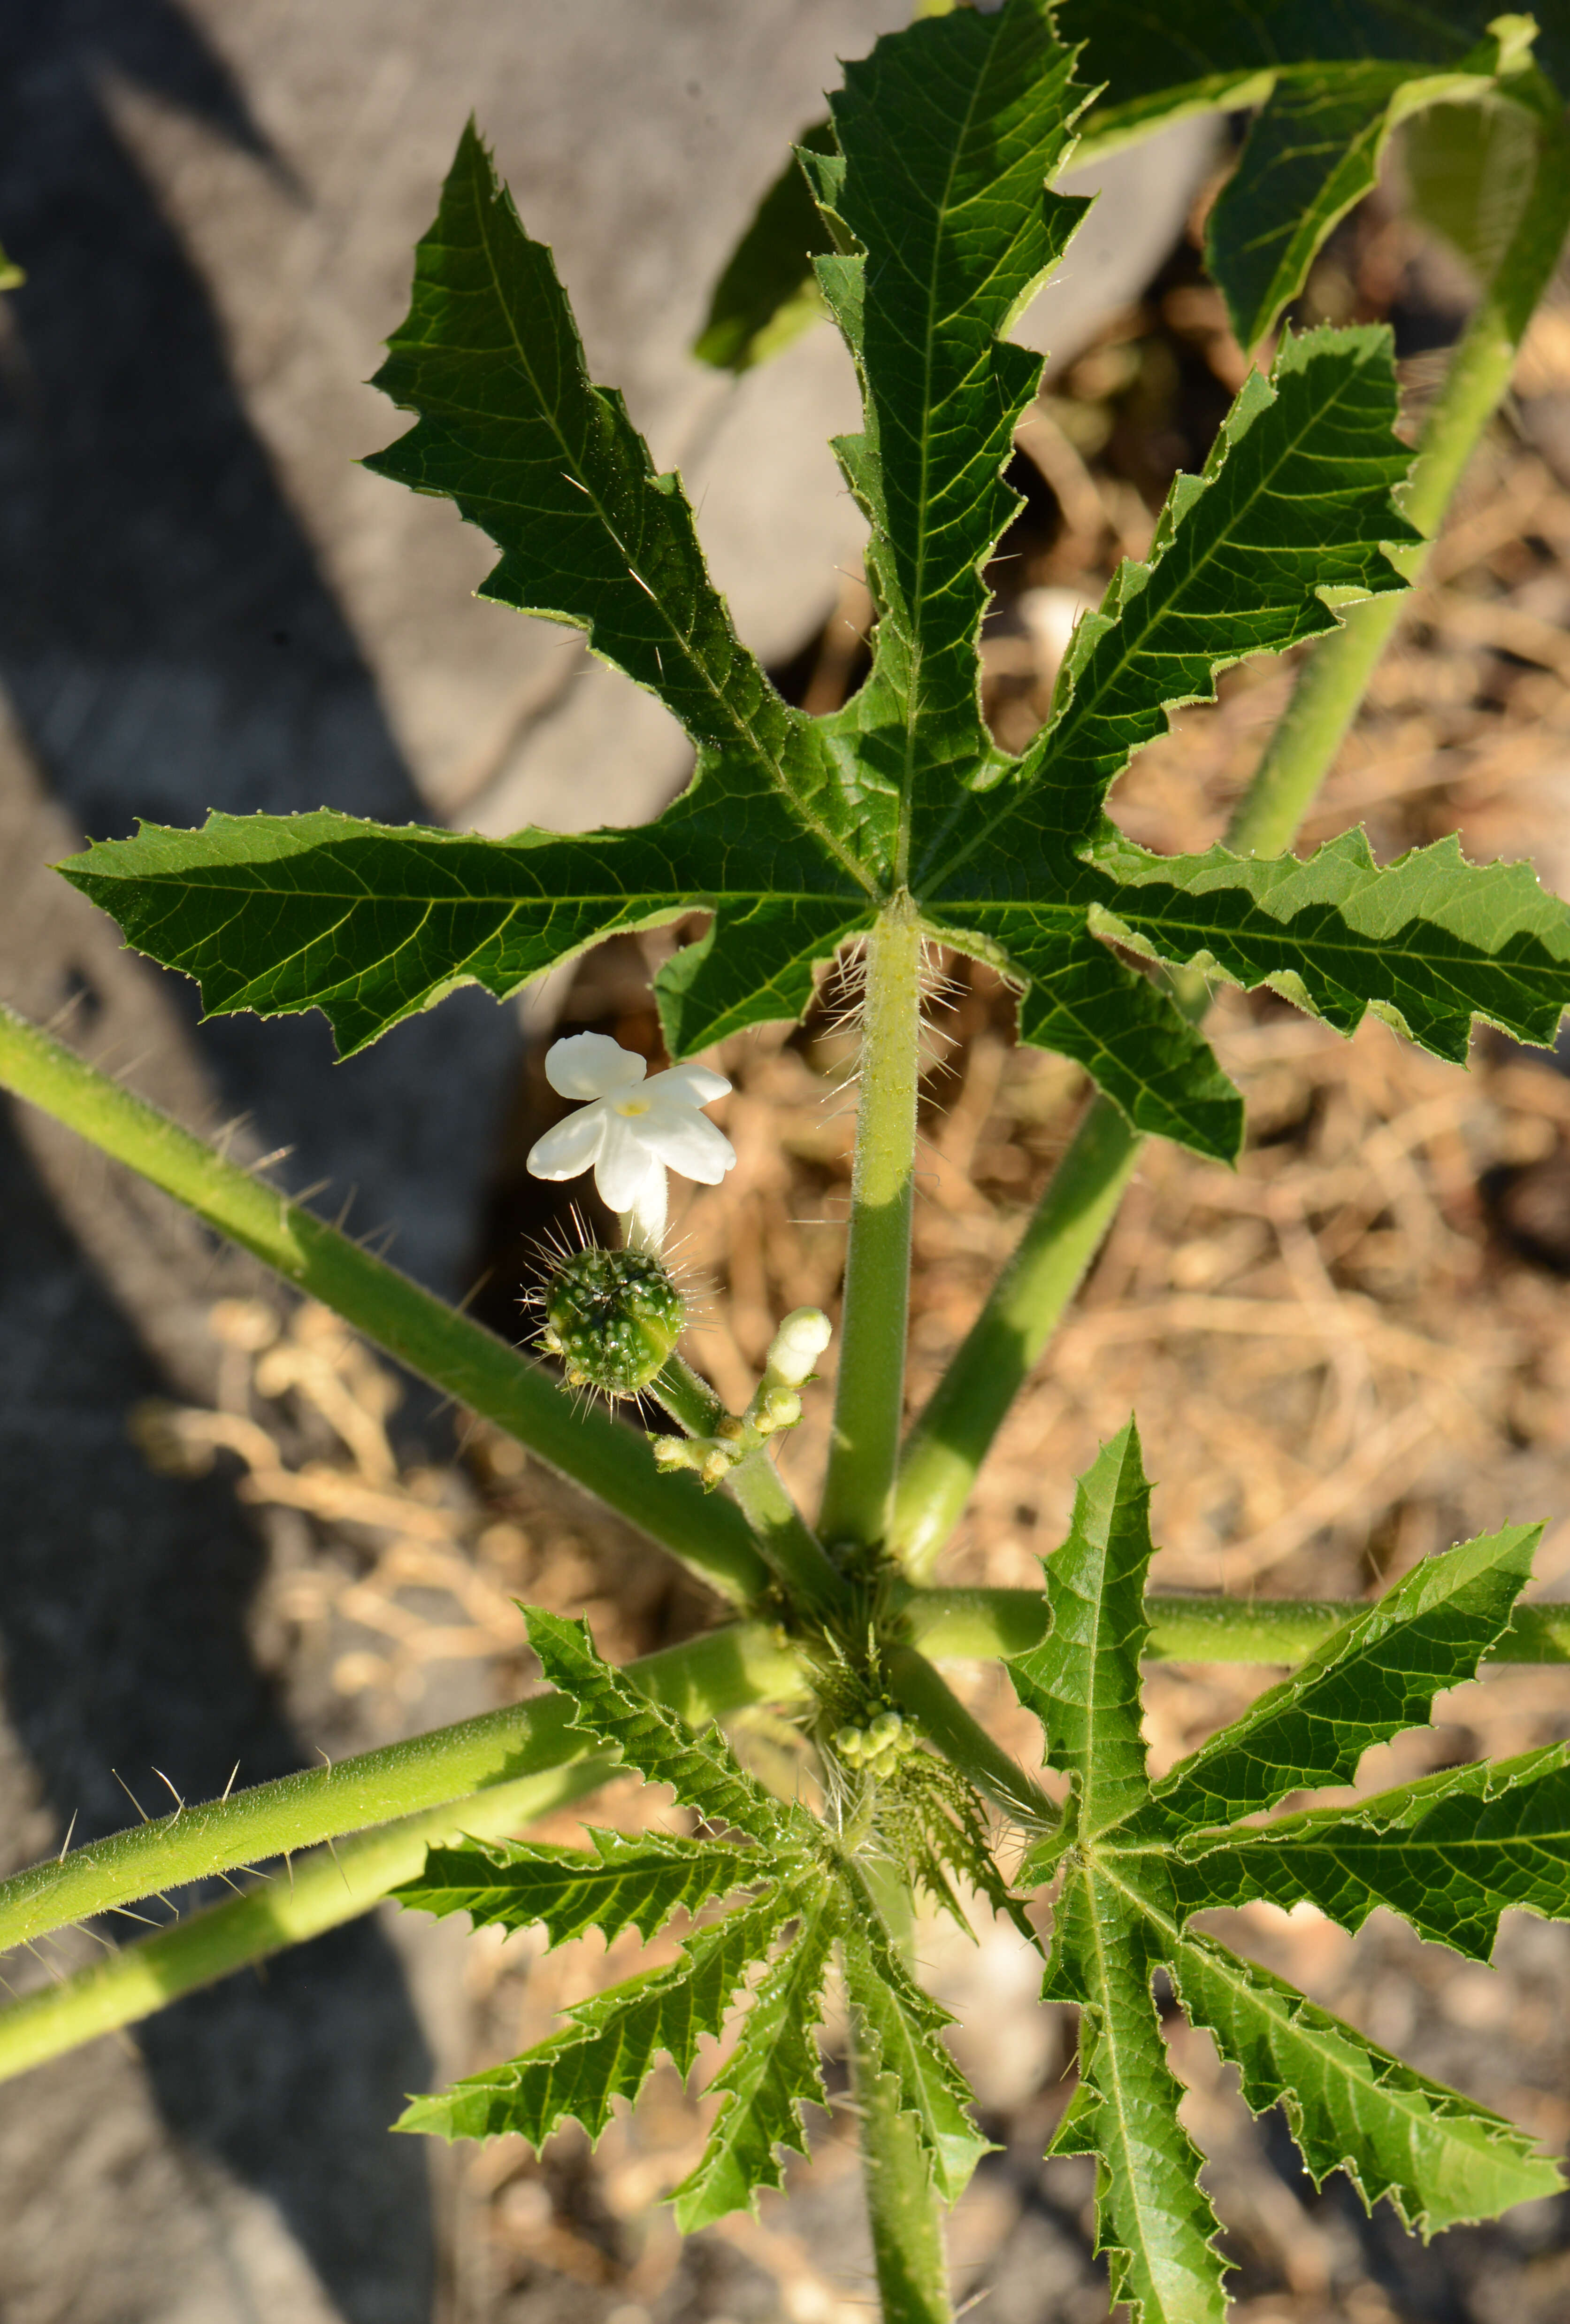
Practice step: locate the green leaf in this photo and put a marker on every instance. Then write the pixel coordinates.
(1431, 943)
(614, 2042)
(1437, 2156)
(702, 1773)
(768, 294)
(1314, 150)
(797, 832)
(902, 2029)
(1332, 77)
(1469, 171)
(772, 2072)
(626, 1883)
(1083, 1681)
(1374, 1677)
(1449, 1854)
(1151, 2219)
(947, 134)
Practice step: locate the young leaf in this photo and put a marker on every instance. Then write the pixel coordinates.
(902, 2027)
(1449, 1854)
(1437, 2156)
(1082, 1681)
(772, 2072)
(1375, 1676)
(614, 2042)
(703, 1774)
(626, 1883)
(1154, 2224)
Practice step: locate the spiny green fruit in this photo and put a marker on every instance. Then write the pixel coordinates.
(613, 1317)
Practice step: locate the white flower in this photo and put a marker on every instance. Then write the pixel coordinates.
(631, 1129)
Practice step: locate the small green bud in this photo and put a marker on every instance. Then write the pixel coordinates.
(850, 1743)
(886, 1733)
(613, 1317)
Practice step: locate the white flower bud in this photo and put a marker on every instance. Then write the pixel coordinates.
(796, 1346)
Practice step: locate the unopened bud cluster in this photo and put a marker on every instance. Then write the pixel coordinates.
(794, 1348)
(879, 1746)
(613, 1317)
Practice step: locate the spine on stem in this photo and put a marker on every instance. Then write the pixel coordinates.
(869, 1396)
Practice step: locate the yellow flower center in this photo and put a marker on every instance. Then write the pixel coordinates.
(631, 1107)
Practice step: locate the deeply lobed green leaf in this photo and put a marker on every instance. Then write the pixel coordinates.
(625, 1883)
(1450, 1852)
(703, 1774)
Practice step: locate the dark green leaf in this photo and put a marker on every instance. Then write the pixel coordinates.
(703, 1774)
(1449, 1854)
(1351, 2107)
(768, 294)
(1082, 1681)
(771, 2074)
(638, 1883)
(1376, 1676)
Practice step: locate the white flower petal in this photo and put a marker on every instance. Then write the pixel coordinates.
(623, 1164)
(643, 1222)
(569, 1150)
(591, 1064)
(691, 1084)
(687, 1142)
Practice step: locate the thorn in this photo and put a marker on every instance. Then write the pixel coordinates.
(326, 1761)
(342, 1874)
(180, 1805)
(289, 1861)
(316, 1186)
(279, 1154)
(131, 1795)
(66, 1841)
(126, 1913)
(348, 1204)
(475, 1288)
(231, 1884)
(230, 1785)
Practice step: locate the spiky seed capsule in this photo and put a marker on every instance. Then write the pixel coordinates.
(613, 1317)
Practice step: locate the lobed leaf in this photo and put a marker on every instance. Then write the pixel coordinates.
(1083, 1681)
(1152, 2221)
(703, 1774)
(767, 293)
(902, 2027)
(1430, 943)
(614, 2043)
(1449, 1854)
(1351, 2107)
(947, 134)
(625, 1883)
(771, 2074)
(1375, 1676)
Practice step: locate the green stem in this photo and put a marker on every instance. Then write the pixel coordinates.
(1304, 745)
(794, 1555)
(903, 2210)
(951, 1438)
(323, 1889)
(704, 1679)
(952, 1435)
(868, 1402)
(452, 1352)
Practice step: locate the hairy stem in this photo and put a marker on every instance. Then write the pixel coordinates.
(455, 1353)
(949, 1441)
(1303, 747)
(952, 1435)
(704, 1679)
(323, 1889)
(868, 1402)
(938, 1710)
